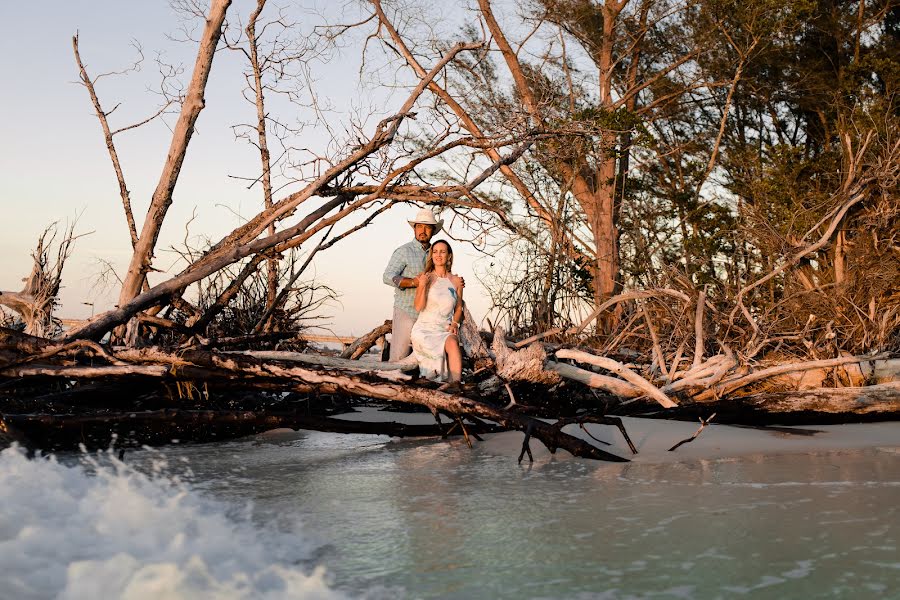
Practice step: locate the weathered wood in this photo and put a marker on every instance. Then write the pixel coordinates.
(193, 103)
(129, 429)
(620, 370)
(16, 341)
(882, 371)
(328, 361)
(880, 398)
(78, 372)
(435, 400)
(698, 329)
(537, 337)
(245, 240)
(659, 357)
(526, 364)
(707, 374)
(703, 424)
(362, 344)
(470, 341)
(108, 134)
(730, 385)
(615, 386)
(826, 405)
(245, 366)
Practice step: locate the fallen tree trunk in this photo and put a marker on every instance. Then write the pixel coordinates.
(822, 406)
(248, 369)
(197, 379)
(881, 398)
(133, 429)
(436, 401)
(329, 361)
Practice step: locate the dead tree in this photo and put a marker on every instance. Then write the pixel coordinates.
(191, 107)
(109, 134)
(245, 241)
(39, 296)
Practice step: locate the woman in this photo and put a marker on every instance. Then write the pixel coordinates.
(439, 302)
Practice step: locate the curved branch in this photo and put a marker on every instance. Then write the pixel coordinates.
(632, 295)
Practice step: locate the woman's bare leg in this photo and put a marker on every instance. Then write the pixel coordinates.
(454, 359)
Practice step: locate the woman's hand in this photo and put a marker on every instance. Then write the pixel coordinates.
(458, 283)
(421, 280)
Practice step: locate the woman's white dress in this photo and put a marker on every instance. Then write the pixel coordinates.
(430, 333)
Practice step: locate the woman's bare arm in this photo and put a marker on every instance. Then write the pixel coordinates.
(458, 311)
(423, 282)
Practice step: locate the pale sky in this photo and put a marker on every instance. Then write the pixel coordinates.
(54, 165)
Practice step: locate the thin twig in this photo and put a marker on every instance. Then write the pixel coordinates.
(703, 423)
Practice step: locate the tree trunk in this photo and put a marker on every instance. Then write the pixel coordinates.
(272, 260)
(184, 129)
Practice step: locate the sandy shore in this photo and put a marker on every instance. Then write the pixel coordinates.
(654, 437)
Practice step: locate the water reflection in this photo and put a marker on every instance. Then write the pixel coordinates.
(437, 520)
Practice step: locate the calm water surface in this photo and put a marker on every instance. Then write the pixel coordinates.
(432, 519)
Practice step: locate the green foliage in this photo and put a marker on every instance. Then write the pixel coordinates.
(732, 149)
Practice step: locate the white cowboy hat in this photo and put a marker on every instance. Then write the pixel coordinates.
(426, 216)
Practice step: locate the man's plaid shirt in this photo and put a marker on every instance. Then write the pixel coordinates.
(407, 261)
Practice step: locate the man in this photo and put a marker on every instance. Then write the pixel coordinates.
(406, 262)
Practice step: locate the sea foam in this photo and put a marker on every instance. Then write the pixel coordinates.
(113, 532)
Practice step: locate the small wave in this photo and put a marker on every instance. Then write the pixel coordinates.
(118, 533)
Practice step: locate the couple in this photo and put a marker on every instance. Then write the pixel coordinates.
(428, 302)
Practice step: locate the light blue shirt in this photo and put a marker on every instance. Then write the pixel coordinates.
(407, 261)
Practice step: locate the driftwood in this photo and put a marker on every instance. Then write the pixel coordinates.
(614, 386)
(622, 371)
(521, 365)
(272, 370)
(434, 400)
(730, 385)
(703, 424)
(362, 344)
(470, 338)
(703, 376)
(198, 380)
(68, 431)
(329, 361)
(826, 405)
(880, 398)
(537, 337)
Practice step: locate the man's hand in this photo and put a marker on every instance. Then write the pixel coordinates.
(405, 283)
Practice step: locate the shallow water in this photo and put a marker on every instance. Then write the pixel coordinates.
(432, 519)
(440, 520)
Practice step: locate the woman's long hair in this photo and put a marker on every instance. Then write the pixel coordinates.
(429, 262)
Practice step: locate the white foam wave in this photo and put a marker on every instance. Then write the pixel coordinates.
(118, 533)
